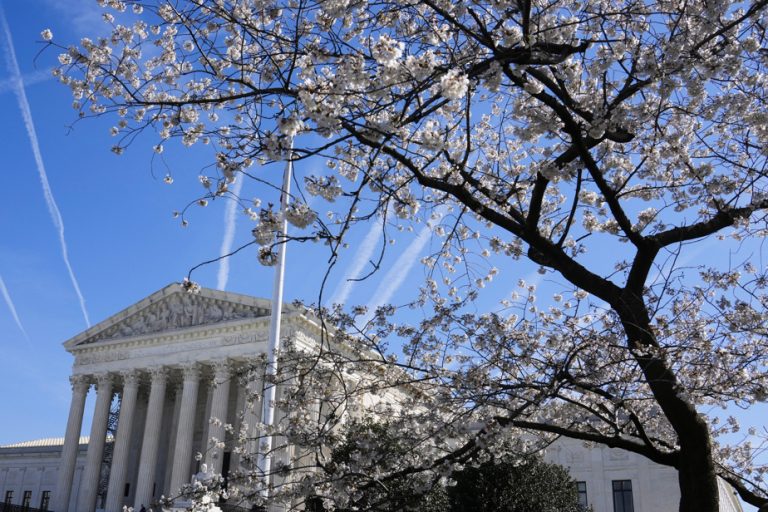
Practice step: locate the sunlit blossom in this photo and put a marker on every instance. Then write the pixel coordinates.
(581, 150)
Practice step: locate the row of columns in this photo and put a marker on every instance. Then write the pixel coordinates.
(181, 471)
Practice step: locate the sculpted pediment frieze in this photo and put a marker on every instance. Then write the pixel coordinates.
(176, 311)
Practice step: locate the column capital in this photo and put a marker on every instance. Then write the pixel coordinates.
(221, 369)
(104, 379)
(191, 371)
(130, 377)
(158, 374)
(80, 383)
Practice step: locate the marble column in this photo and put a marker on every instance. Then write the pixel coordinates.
(89, 485)
(252, 414)
(80, 385)
(151, 442)
(122, 441)
(182, 454)
(172, 431)
(210, 387)
(239, 420)
(214, 455)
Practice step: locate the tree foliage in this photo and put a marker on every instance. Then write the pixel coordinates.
(523, 486)
(606, 142)
(374, 443)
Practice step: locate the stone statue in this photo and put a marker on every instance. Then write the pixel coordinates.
(174, 312)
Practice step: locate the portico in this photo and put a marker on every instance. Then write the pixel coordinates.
(174, 360)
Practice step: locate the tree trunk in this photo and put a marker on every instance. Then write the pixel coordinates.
(697, 477)
(696, 468)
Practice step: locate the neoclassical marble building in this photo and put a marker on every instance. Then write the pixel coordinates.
(172, 358)
(615, 480)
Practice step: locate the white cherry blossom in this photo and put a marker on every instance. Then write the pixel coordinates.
(454, 84)
(597, 146)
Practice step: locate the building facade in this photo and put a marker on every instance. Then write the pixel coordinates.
(28, 471)
(173, 359)
(615, 480)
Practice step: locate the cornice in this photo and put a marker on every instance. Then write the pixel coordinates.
(292, 320)
(173, 336)
(263, 305)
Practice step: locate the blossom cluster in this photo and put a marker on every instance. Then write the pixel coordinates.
(597, 143)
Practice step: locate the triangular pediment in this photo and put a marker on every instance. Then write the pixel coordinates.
(173, 308)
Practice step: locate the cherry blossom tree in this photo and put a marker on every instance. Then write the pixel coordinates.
(604, 141)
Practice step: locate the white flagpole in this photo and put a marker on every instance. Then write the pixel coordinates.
(268, 398)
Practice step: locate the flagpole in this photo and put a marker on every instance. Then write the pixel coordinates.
(270, 388)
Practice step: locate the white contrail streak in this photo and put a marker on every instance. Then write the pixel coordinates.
(9, 302)
(26, 113)
(394, 278)
(230, 222)
(41, 75)
(362, 257)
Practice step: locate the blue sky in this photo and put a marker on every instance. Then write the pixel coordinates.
(122, 242)
(114, 215)
(121, 239)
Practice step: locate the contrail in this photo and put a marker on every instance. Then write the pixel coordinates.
(362, 257)
(230, 221)
(26, 112)
(394, 278)
(9, 302)
(41, 75)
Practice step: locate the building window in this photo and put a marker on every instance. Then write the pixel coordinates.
(581, 488)
(26, 499)
(126, 490)
(8, 497)
(45, 500)
(622, 496)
